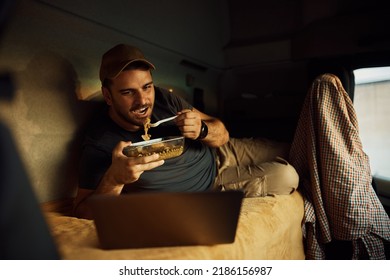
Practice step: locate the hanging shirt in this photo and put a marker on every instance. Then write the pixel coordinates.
(335, 175)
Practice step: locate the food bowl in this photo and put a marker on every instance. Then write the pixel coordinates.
(167, 147)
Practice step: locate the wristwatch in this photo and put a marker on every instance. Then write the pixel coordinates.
(204, 130)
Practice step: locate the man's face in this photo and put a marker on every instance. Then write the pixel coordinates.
(131, 98)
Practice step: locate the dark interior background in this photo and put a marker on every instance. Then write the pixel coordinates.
(249, 63)
(303, 38)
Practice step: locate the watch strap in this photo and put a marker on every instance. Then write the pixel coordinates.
(204, 130)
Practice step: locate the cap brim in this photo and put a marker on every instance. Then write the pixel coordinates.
(114, 72)
(130, 62)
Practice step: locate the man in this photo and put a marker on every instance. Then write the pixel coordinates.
(210, 159)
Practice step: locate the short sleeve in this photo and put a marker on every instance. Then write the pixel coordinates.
(93, 165)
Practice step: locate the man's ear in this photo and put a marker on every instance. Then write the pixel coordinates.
(107, 96)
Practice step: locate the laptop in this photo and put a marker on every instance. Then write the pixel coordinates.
(144, 220)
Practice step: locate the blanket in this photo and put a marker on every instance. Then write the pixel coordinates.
(269, 228)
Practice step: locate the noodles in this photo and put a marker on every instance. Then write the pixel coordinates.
(168, 147)
(146, 136)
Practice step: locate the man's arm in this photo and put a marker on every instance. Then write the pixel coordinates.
(123, 170)
(190, 124)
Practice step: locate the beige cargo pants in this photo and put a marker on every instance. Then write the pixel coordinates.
(256, 167)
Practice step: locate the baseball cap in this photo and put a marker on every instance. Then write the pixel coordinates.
(119, 57)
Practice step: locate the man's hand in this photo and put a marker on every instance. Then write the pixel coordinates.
(189, 123)
(125, 170)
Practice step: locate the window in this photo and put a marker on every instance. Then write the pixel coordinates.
(372, 105)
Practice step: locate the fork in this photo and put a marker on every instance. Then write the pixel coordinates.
(162, 121)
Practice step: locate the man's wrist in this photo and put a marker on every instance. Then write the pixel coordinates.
(109, 185)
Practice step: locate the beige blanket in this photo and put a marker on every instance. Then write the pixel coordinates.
(269, 228)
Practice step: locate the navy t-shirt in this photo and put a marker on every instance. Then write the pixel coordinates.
(192, 171)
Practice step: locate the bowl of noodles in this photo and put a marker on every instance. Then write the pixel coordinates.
(166, 147)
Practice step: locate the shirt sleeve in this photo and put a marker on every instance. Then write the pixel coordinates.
(93, 165)
(174, 102)
(181, 103)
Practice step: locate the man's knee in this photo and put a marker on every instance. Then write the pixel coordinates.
(282, 178)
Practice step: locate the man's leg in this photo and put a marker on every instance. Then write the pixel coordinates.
(255, 166)
(276, 177)
(250, 151)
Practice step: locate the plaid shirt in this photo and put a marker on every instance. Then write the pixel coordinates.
(335, 176)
